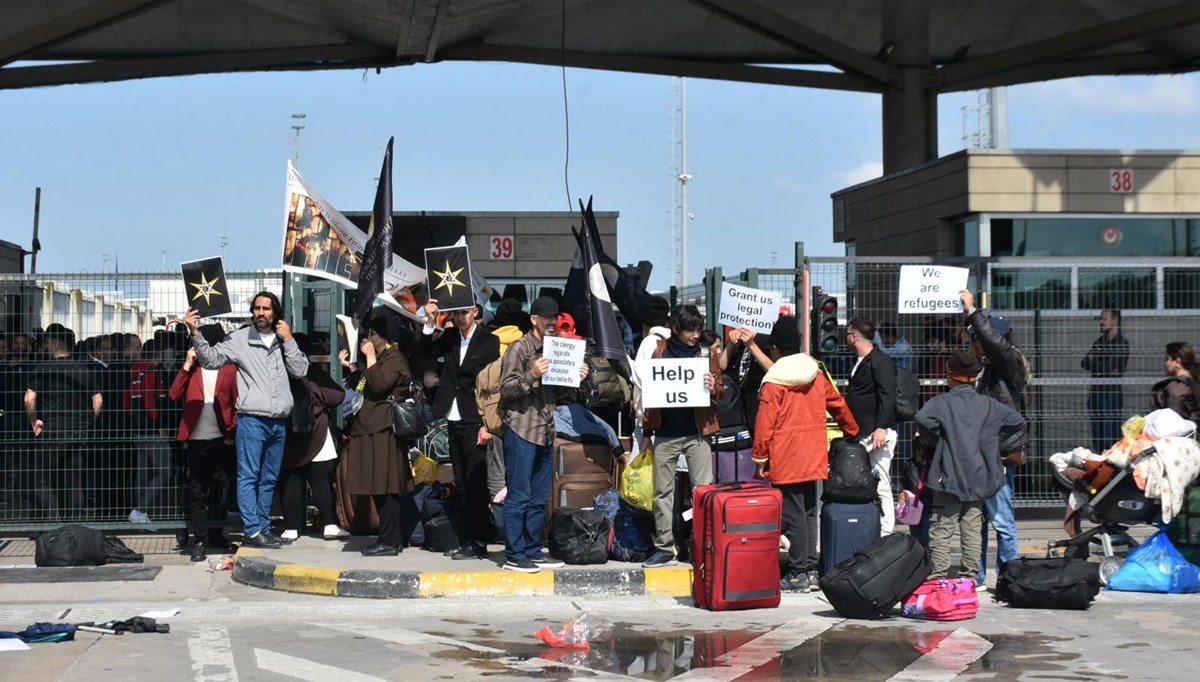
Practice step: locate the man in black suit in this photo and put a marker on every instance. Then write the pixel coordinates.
(465, 348)
(871, 395)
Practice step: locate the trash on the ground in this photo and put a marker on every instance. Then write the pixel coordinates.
(577, 632)
(221, 563)
(42, 632)
(161, 615)
(135, 625)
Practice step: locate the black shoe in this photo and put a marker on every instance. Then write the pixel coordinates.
(261, 541)
(282, 541)
(218, 542)
(198, 552)
(521, 566)
(381, 550)
(471, 550)
(544, 561)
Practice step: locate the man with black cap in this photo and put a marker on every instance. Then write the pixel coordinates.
(967, 428)
(265, 355)
(1004, 377)
(528, 415)
(465, 348)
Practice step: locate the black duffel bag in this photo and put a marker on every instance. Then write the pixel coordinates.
(579, 536)
(71, 545)
(1048, 583)
(850, 475)
(877, 577)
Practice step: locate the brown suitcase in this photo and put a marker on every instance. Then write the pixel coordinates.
(580, 472)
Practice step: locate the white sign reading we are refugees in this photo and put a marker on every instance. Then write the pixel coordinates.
(746, 307)
(931, 288)
(566, 357)
(675, 382)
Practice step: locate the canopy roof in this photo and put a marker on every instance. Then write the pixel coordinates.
(787, 42)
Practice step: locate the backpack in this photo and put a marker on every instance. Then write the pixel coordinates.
(579, 536)
(303, 417)
(487, 397)
(943, 599)
(610, 389)
(435, 444)
(877, 577)
(850, 476)
(71, 545)
(731, 409)
(908, 395)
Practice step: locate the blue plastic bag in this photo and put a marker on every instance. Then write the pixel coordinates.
(1156, 566)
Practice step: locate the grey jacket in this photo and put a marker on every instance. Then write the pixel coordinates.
(262, 377)
(969, 427)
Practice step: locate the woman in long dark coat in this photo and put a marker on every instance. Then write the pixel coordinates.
(377, 462)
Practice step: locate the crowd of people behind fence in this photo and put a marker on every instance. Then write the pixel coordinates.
(100, 428)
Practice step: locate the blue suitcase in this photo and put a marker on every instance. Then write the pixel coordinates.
(846, 527)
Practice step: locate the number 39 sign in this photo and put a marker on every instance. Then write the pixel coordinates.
(501, 247)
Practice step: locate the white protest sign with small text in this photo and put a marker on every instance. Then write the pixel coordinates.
(931, 288)
(746, 307)
(566, 357)
(675, 382)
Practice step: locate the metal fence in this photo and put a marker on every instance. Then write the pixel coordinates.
(1053, 307)
(91, 357)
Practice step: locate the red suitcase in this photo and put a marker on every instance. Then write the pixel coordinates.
(735, 546)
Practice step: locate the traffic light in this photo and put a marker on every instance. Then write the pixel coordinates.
(824, 323)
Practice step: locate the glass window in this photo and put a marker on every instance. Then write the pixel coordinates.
(1124, 289)
(1095, 237)
(1181, 288)
(1030, 288)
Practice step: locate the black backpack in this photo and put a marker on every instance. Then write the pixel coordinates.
(877, 577)
(71, 545)
(908, 395)
(731, 409)
(850, 476)
(303, 417)
(579, 536)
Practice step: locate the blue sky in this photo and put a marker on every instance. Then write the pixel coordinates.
(158, 165)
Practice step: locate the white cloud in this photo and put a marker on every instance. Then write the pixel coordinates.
(867, 170)
(1158, 95)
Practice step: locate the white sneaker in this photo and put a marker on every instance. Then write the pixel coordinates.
(290, 535)
(335, 532)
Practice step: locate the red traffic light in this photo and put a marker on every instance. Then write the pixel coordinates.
(829, 306)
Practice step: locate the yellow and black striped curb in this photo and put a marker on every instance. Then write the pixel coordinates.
(252, 568)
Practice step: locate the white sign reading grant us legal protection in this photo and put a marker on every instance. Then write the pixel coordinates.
(931, 288)
(566, 357)
(675, 382)
(746, 307)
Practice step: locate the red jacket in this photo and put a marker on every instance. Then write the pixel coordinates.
(189, 387)
(789, 432)
(146, 386)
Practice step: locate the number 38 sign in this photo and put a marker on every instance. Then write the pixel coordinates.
(1120, 180)
(501, 247)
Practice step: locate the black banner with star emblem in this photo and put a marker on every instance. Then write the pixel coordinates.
(205, 286)
(449, 271)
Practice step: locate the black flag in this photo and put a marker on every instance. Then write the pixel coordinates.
(207, 290)
(449, 270)
(602, 327)
(625, 293)
(377, 254)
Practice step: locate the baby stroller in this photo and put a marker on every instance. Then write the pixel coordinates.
(1115, 504)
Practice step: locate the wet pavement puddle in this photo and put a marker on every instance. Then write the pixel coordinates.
(844, 651)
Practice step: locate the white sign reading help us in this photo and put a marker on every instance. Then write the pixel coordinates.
(931, 288)
(566, 357)
(746, 307)
(675, 382)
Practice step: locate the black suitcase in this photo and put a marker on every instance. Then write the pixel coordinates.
(845, 529)
(1048, 583)
(876, 578)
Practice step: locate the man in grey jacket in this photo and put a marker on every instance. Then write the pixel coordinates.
(968, 428)
(265, 354)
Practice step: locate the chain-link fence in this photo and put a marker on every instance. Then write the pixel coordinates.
(1053, 307)
(88, 423)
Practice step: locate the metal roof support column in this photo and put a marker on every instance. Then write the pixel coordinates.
(909, 107)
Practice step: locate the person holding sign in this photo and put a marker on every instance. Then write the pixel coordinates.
(677, 431)
(466, 348)
(528, 414)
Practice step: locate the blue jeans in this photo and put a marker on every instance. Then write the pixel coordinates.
(259, 455)
(998, 511)
(1105, 407)
(527, 474)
